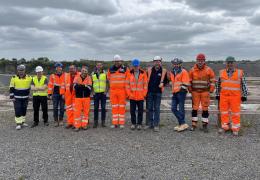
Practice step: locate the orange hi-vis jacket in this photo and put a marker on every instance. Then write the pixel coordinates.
(202, 79)
(69, 90)
(180, 80)
(231, 86)
(56, 82)
(117, 78)
(149, 72)
(82, 87)
(137, 88)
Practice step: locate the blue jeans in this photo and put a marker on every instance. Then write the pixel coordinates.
(20, 107)
(58, 102)
(178, 99)
(102, 98)
(154, 103)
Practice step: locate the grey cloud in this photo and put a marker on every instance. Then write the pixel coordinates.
(232, 7)
(96, 7)
(30, 38)
(255, 19)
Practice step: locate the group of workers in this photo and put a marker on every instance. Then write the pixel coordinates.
(71, 92)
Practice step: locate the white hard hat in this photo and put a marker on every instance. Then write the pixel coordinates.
(157, 58)
(117, 58)
(38, 69)
(21, 67)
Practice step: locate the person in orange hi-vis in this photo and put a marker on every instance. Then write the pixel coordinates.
(231, 89)
(70, 94)
(82, 87)
(180, 82)
(136, 91)
(202, 79)
(56, 90)
(117, 75)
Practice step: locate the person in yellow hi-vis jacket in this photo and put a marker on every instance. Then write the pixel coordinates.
(20, 86)
(40, 87)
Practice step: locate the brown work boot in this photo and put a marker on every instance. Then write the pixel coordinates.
(183, 127)
(176, 128)
(61, 121)
(194, 126)
(68, 126)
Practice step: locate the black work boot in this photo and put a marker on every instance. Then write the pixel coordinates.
(95, 124)
(34, 125)
(103, 124)
(56, 122)
(205, 128)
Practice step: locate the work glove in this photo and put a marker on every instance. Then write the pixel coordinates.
(217, 97)
(243, 99)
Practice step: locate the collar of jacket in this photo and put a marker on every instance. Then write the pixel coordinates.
(230, 70)
(177, 71)
(160, 68)
(114, 68)
(22, 77)
(140, 71)
(197, 68)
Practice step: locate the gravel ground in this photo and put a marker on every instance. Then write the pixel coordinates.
(102, 153)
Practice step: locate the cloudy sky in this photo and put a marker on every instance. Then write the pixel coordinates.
(98, 29)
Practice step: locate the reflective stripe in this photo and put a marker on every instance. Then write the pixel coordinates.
(198, 86)
(236, 114)
(11, 94)
(235, 125)
(49, 88)
(77, 119)
(20, 97)
(21, 88)
(117, 76)
(115, 105)
(116, 82)
(206, 120)
(231, 81)
(224, 112)
(121, 105)
(203, 82)
(195, 119)
(212, 79)
(137, 89)
(229, 88)
(212, 84)
(137, 83)
(184, 87)
(86, 121)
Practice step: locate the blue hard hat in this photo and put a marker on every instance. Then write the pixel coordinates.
(58, 64)
(135, 62)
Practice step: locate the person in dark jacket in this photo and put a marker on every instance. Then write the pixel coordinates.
(156, 81)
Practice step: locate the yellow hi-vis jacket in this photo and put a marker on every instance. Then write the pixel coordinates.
(99, 84)
(39, 84)
(20, 87)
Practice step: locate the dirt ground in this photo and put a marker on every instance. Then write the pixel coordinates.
(103, 153)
